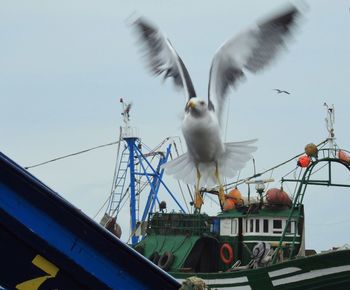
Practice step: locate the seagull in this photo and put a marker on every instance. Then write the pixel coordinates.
(282, 91)
(208, 159)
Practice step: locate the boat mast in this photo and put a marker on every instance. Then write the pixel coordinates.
(130, 137)
(134, 165)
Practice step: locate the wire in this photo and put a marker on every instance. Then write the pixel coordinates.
(70, 155)
(230, 185)
(101, 208)
(323, 166)
(227, 117)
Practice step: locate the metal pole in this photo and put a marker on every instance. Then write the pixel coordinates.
(131, 146)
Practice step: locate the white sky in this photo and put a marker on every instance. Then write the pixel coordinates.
(65, 64)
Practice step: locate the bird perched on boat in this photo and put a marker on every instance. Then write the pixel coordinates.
(208, 158)
(282, 91)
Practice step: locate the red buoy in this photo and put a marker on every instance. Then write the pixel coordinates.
(278, 197)
(343, 156)
(304, 161)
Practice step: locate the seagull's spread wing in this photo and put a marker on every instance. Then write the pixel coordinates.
(252, 50)
(162, 57)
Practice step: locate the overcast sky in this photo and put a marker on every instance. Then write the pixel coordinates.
(65, 64)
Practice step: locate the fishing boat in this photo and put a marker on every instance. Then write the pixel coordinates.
(256, 241)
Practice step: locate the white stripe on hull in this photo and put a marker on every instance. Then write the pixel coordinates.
(271, 242)
(283, 271)
(310, 275)
(246, 287)
(223, 281)
(221, 284)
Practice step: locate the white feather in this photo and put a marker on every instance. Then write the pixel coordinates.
(250, 50)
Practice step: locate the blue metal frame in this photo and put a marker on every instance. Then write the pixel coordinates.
(132, 146)
(152, 197)
(162, 182)
(157, 174)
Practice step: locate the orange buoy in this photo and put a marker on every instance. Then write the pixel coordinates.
(343, 156)
(236, 195)
(229, 204)
(278, 197)
(311, 150)
(304, 161)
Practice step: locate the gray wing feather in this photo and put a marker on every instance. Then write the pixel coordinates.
(162, 57)
(252, 50)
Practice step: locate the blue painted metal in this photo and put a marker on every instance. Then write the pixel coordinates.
(165, 186)
(34, 220)
(152, 197)
(132, 147)
(154, 179)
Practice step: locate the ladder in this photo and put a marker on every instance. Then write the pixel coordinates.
(118, 193)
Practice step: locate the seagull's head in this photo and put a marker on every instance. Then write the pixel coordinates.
(196, 107)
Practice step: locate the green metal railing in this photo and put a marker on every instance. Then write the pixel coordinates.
(328, 156)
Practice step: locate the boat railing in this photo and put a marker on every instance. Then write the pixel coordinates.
(177, 223)
(328, 157)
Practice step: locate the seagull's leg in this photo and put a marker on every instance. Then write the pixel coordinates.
(221, 187)
(198, 201)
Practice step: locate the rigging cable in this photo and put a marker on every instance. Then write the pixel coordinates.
(227, 117)
(230, 185)
(178, 182)
(115, 170)
(177, 152)
(72, 154)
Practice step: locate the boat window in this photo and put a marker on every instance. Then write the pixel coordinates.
(266, 226)
(228, 227)
(277, 226)
(234, 228)
(257, 225)
(291, 227)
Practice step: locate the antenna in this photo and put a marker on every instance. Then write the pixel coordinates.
(330, 120)
(127, 130)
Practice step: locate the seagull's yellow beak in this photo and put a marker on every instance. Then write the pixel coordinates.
(191, 104)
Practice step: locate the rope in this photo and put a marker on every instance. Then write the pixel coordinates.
(70, 155)
(115, 170)
(178, 182)
(227, 117)
(230, 185)
(101, 208)
(323, 166)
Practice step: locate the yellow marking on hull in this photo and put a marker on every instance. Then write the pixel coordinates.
(43, 264)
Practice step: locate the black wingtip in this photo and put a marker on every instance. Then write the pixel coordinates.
(144, 26)
(285, 17)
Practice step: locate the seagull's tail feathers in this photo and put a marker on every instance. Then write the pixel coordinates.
(235, 157)
(182, 168)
